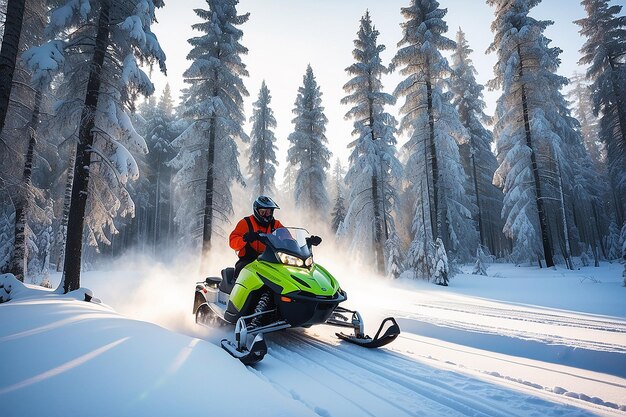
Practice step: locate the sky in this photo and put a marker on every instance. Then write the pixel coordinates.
(283, 36)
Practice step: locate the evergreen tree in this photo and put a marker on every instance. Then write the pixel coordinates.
(8, 53)
(373, 163)
(339, 208)
(262, 155)
(602, 207)
(24, 113)
(613, 242)
(604, 52)
(580, 98)
(308, 153)
(7, 219)
(213, 104)
(393, 255)
(98, 45)
(288, 187)
(478, 160)
(159, 134)
(433, 169)
(535, 135)
(480, 267)
(339, 212)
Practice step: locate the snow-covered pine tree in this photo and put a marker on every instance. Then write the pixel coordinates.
(533, 131)
(7, 219)
(288, 186)
(262, 155)
(434, 171)
(480, 267)
(39, 263)
(478, 160)
(579, 96)
(339, 212)
(374, 167)
(213, 103)
(394, 260)
(159, 135)
(61, 234)
(580, 99)
(339, 208)
(604, 52)
(8, 53)
(612, 242)
(440, 265)
(24, 112)
(308, 153)
(98, 44)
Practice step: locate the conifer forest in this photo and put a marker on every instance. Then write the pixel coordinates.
(96, 161)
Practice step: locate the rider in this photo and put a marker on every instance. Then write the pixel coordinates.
(245, 238)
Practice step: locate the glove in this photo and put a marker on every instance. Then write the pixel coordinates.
(313, 240)
(250, 237)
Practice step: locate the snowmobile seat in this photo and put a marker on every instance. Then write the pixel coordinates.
(228, 280)
(213, 282)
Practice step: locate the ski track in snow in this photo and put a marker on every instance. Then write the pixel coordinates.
(393, 384)
(590, 342)
(403, 379)
(542, 317)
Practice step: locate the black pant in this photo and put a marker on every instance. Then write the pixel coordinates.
(249, 256)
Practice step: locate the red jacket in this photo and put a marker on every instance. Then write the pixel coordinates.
(236, 236)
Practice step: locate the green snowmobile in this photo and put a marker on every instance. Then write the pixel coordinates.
(282, 289)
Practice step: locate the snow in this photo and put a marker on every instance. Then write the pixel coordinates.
(44, 61)
(522, 341)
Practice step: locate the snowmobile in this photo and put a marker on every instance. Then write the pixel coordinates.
(283, 288)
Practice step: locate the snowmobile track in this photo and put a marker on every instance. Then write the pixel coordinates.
(542, 317)
(406, 387)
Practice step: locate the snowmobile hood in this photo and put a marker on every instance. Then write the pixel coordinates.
(315, 280)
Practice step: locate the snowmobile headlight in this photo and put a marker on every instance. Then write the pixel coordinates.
(290, 259)
(308, 261)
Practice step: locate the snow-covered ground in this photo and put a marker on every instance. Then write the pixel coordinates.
(521, 342)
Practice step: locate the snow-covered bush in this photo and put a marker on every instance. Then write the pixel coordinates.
(440, 265)
(9, 287)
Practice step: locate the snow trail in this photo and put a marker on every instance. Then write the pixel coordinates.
(385, 382)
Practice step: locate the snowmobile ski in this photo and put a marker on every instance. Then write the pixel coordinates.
(250, 356)
(390, 334)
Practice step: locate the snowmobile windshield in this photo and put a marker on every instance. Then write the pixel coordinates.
(290, 239)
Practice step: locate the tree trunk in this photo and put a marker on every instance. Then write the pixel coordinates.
(568, 251)
(378, 231)
(437, 228)
(80, 187)
(619, 101)
(379, 249)
(67, 199)
(543, 223)
(8, 54)
(19, 260)
(466, 122)
(262, 179)
(210, 185)
(434, 204)
(157, 207)
(479, 214)
(598, 232)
